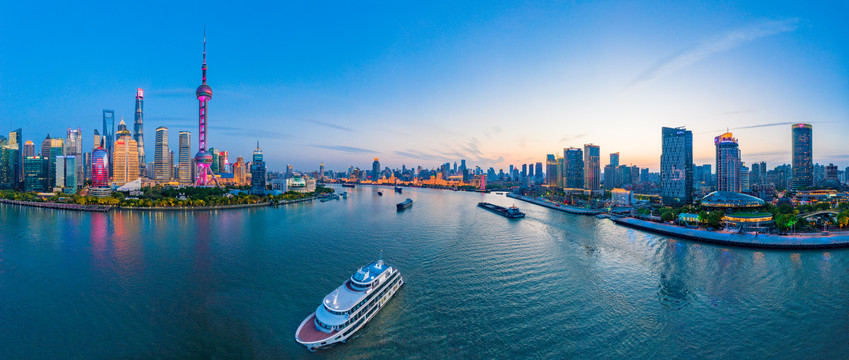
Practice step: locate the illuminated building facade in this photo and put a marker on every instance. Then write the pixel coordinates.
(35, 174)
(551, 170)
(676, 166)
(803, 165)
(99, 167)
(108, 132)
(727, 163)
(375, 170)
(240, 176)
(125, 158)
(203, 159)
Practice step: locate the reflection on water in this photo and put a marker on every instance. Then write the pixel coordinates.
(236, 284)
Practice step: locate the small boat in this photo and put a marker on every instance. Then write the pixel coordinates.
(398, 189)
(511, 212)
(344, 195)
(380, 193)
(405, 204)
(348, 185)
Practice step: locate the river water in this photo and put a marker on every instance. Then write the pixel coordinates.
(236, 284)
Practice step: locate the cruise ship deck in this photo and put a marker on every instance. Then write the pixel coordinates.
(309, 333)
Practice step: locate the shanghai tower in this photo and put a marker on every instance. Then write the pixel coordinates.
(138, 128)
(203, 159)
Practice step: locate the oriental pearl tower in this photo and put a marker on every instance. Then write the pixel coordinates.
(203, 159)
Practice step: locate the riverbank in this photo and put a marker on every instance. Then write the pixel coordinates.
(217, 207)
(106, 208)
(60, 206)
(813, 241)
(551, 205)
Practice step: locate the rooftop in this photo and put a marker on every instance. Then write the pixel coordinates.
(730, 199)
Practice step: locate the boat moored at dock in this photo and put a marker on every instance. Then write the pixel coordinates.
(511, 212)
(350, 306)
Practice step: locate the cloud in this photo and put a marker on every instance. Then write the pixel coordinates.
(722, 43)
(568, 138)
(334, 126)
(349, 149)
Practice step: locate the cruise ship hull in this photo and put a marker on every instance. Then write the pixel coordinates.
(314, 339)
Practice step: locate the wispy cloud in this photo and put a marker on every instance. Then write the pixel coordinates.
(722, 43)
(327, 124)
(571, 137)
(349, 149)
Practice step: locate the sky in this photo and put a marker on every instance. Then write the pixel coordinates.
(422, 83)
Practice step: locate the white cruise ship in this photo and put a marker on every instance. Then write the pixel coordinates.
(350, 306)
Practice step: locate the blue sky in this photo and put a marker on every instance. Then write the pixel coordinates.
(424, 83)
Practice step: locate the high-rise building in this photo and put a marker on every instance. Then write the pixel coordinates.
(161, 155)
(610, 177)
(321, 171)
(138, 127)
(538, 174)
(35, 174)
(96, 143)
(745, 178)
(184, 172)
(66, 173)
(214, 165)
(108, 133)
(676, 166)
(574, 168)
(56, 149)
(727, 163)
(223, 161)
(550, 170)
(74, 147)
(99, 167)
(614, 159)
(126, 158)
(375, 170)
(29, 149)
(203, 159)
(257, 172)
(11, 163)
(592, 167)
(803, 155)
(240, 172)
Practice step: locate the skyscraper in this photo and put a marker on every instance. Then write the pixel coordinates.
(96, 140)
(574, 168)
(57, 148)
(727, 163)
(223, 161)
(126, 158)
(108, 132)
(803, 167)
(375, 170)
(257, 172)
(592, 167)
(138, 127)
(203, 159)
(550, 170)
(74, 147)
(239, 171)
(184, 172)
(161, 155)
(35, 174)
(11, 163)
(676, 166)
(99, 167)
(745, 178)
(29, 149)
(538, 172)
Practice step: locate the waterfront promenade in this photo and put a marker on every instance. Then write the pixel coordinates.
(812, 241)
(61, 206)
(559, 207)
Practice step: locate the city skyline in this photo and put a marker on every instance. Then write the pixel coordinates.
(525, 82)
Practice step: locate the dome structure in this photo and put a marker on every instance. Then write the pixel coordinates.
(731, 200)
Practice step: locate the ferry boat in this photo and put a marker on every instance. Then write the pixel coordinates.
(398, 189)
(348, 185)
(350, 306)
(405, 204)
(511, 212)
